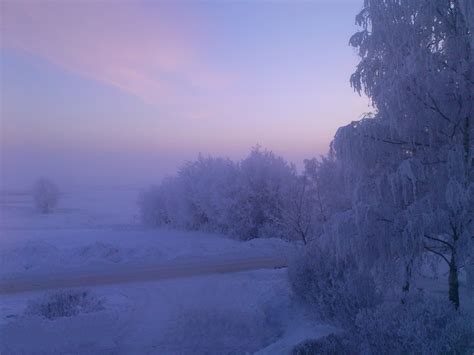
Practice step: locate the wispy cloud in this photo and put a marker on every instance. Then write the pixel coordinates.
(148, 51)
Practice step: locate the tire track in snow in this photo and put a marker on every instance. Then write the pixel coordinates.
(127, 273)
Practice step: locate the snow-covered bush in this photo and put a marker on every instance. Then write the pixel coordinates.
(45, 195)
(65, 303)
(334, 287)
(422, 324)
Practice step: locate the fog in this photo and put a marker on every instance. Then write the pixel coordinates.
(237, 177)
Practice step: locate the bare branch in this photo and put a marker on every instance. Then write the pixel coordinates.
(437, 253)
(441, 241)
(437, 109)
(434, 162)
(396, 142)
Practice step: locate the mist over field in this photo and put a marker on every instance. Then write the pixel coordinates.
(237, 177)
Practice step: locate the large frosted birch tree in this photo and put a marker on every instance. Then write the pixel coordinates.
(411, 166)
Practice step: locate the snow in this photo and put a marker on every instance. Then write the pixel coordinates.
(101, 228)
(227, 313)
(299, 328)
(155, 317)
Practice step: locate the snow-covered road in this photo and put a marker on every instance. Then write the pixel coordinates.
(129, 274)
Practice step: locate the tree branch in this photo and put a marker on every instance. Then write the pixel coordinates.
(437, 253)
(383, 140)
(436, 109)
(441, 241)
(434, 162)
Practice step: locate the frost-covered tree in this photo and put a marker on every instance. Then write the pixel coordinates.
(405, 178)
(197, 198)
(312, 198)
(382, 225)
(243, 199)
(326, 183)
(263, 182)
(206, 186)
(297, 211)
(45, 195)
(411, 167)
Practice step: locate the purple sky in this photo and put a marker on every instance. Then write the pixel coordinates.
(123, 92)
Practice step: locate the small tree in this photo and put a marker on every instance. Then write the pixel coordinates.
(296, 211)
(45, 195)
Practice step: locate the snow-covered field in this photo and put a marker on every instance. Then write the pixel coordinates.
(98, 228)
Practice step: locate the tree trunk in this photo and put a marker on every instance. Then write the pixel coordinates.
(453, 282)
(303, 238)
(470, 276)
(407, 283)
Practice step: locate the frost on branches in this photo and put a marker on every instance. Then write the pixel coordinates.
(410, 168)
(406, 176)
(260, 196)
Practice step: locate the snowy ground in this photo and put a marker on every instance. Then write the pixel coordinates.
(98, 228)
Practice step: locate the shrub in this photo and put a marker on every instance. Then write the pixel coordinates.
(422, 324)
(65, 303)
(336, 288)
(45, 195)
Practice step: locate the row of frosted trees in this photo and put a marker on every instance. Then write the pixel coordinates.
(260, 196)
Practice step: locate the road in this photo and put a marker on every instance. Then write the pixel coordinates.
(27, 282)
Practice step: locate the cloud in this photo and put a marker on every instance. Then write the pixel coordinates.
(147, 50)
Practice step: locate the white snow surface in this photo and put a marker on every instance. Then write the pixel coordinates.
(101, 227)
(234, 313)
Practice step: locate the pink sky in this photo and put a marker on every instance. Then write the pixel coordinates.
(169, 80)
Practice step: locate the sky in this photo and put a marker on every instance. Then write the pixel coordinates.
(122, 92)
